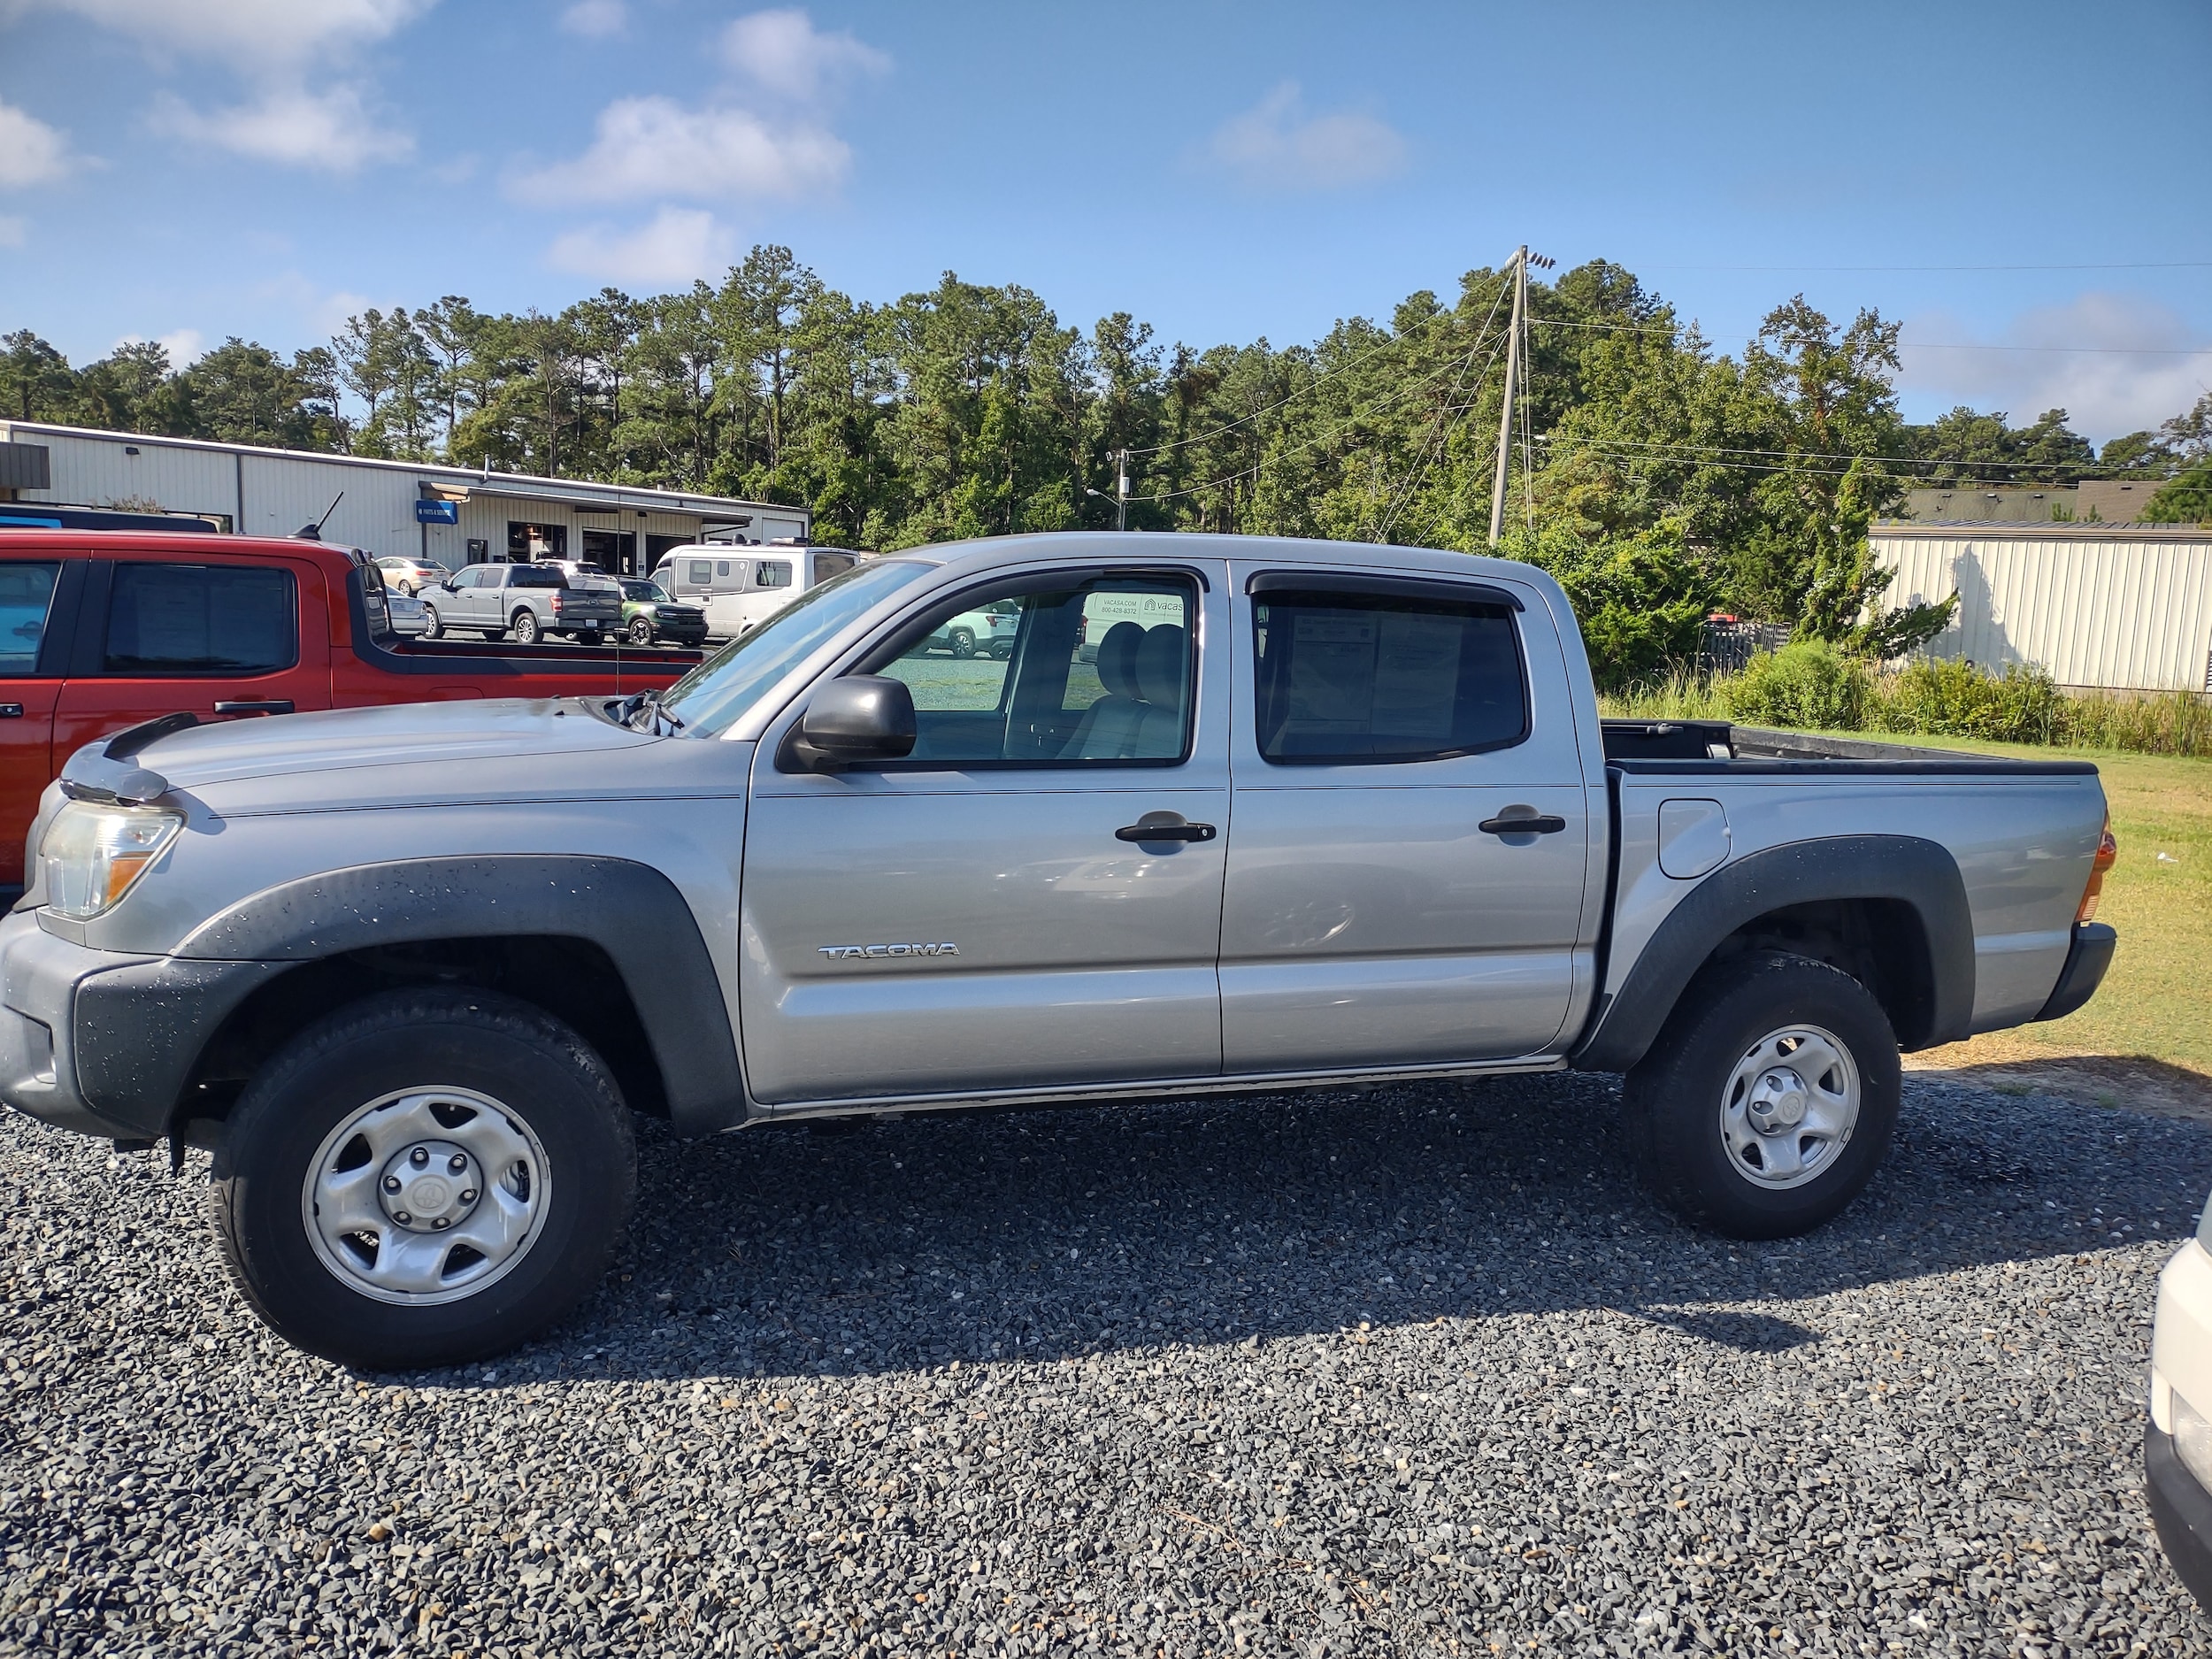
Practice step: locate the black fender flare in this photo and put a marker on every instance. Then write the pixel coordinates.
(1907, 868)
(630, 911)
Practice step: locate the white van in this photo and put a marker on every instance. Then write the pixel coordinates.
(738, 587)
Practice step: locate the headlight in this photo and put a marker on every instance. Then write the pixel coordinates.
(93, 854)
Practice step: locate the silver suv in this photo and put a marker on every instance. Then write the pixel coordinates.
(526, 601)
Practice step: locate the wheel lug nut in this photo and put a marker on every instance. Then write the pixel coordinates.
(402, 1216)
(420, 1157)
(442, 1223)
(457, 1163)
(468, 1195)
(391, 1183)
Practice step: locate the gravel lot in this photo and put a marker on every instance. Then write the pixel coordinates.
(1411, 1371)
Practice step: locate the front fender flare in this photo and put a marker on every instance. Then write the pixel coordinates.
(630, 911)
(1906, 868)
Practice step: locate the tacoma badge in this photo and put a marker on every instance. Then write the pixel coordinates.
(854, 953)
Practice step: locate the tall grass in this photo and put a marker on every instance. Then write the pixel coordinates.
(1810, 687)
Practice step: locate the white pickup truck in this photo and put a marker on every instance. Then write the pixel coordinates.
(1301, 815)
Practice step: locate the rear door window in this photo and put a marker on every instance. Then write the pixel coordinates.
(201, 619)
(772, 574)
(26, 594)
(1349, 678)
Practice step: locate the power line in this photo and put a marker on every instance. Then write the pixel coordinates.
(2149, 264)
(1902, 345)
(1373, 352)
(1801, 469)
(1715, 449)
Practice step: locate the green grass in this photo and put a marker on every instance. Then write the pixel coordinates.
(2157, 1002)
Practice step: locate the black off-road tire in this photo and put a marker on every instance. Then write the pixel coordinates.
(538, 1068)
(641, 630)
(1675, 1096)
(961, 643)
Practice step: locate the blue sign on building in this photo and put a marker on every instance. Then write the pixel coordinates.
(437, 512)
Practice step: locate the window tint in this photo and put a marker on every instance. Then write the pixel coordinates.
(27, 589)
(772, 574)
(721, 567)
(1354, 678)
(829, 564)
(536, 576)
(1058, 673)
(201, 619)
(701, 572)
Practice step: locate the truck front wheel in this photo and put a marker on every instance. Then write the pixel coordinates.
(1768, 1101)
(424, 1178)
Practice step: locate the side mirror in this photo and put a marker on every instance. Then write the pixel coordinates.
(854, 720)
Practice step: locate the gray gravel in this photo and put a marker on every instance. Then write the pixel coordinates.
(1411, 1371)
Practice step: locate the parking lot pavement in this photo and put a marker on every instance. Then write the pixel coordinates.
(1413, 1371)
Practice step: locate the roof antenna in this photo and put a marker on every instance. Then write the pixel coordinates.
(314, 531)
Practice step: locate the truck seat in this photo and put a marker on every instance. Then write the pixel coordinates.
(1110, 726)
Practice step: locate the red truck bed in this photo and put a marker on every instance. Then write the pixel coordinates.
(100, 629)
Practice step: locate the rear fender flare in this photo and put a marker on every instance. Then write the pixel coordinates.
(1920, 873)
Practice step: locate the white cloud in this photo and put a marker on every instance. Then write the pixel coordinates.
(302, 109)
(184, 345)
(2115, 363)
(14, 230)
(330, 131)
(264, 32)
(652, 147)
(595, 20)
(1276, 145)
(783, 52)
(678, 244)
(31, 152)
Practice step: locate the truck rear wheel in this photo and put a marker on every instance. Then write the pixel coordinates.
(1768, 1101)
(424, 1178)
(525, 628)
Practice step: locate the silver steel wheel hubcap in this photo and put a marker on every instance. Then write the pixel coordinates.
(426, 1195)
(1790, 1106)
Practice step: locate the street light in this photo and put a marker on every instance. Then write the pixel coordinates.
(1120, 499)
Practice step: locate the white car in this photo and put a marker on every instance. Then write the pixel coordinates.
(989, 632)
(2178, 1444)
(741, 585)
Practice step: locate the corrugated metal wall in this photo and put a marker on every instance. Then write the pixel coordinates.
(2121, 609)
(275, 493)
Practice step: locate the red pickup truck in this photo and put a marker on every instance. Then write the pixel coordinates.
(101, 629)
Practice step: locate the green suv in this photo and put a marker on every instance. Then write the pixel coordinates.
(650, 614)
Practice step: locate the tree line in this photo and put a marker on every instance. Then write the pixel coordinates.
(1657, 477)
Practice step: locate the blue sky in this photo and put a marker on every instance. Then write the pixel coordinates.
(188, 169)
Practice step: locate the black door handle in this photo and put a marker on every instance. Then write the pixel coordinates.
(1527, 824)
(1164, 827)
(273, 705)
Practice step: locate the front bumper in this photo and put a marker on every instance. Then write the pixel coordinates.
(2182, 1512)
(100, 1042)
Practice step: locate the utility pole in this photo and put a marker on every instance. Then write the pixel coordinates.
(1513, 350)
(1121, 496)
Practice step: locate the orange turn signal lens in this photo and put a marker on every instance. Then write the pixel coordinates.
(2107, 854)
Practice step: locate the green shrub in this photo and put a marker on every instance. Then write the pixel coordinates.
(1948, 698)
(2179, 723)
(1806, 685)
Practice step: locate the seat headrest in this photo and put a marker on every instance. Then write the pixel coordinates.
(1117, 658)
(1160, 665)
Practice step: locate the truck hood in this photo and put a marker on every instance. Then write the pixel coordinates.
(413, 735)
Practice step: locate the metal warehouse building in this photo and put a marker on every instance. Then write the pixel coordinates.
(455, 515)
(2123, 607)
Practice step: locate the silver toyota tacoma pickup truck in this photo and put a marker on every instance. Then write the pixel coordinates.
(1230, 815)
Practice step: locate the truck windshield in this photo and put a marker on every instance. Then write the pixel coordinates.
(714, 695)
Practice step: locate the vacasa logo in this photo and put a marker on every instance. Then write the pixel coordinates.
(861, 953)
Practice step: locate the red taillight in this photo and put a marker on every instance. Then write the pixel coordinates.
(2107, 854)
(557, 604)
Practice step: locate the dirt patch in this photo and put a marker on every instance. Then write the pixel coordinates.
(2134, 1081)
